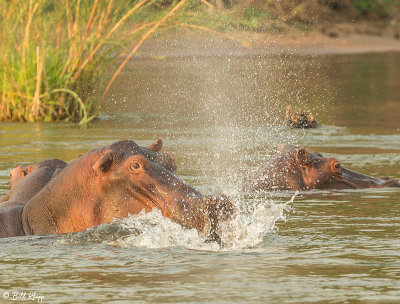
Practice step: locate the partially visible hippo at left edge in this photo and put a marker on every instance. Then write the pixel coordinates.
(112, 182)
(295, 168)
(26, 182)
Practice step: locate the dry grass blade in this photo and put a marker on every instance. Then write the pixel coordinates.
(36, 99)
(141, 41)
(134, 31)
(89, 23)
(115, 27)
(208, 4)
(32, 11)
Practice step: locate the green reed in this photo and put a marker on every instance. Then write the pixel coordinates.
(53, 54)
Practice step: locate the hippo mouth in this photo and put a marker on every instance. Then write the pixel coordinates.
(342, 180)
(153, 197)
(179, 210)
(149, 197)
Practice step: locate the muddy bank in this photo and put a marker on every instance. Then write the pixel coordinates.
(181, 43)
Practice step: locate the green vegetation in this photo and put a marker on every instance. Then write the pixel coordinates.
(261, 14)
(382, 8)
(53, 54)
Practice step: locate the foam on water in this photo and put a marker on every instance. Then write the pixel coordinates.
(152, 230)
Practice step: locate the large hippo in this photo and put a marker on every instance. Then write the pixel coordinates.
(107, 183)
(26, 182)
(295, 168)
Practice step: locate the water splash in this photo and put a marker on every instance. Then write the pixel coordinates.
(248, 230)
(156, 231)
(152, 230)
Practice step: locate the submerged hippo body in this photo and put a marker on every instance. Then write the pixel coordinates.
(294, 168)
(108, 183)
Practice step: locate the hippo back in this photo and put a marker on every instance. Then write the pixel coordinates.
(39, 176)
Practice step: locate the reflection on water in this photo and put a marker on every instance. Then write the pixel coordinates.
(222, 117)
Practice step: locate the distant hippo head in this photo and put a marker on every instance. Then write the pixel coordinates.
(300, 119)
(26, 182)
(114, 182)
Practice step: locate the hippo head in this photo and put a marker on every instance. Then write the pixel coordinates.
(320, 172)
(314, 171)
(114, 182)
(301, 119)
(133, 181)
(16, 174)
(152, 152)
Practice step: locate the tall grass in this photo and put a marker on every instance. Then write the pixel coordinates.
(53, 54)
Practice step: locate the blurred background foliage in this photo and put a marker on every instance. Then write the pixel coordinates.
(53, 54)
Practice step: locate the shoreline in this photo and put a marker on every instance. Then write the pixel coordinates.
(194, 43)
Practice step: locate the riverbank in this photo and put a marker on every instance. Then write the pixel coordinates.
(190, 42)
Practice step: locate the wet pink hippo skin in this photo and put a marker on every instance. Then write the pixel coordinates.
(295, 168)
(108, 183)
(26, 182)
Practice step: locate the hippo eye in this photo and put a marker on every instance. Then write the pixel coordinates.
(337, 166)
(136, 166)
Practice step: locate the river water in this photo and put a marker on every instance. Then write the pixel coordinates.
(222, 117)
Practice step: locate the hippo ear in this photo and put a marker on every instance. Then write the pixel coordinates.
(288, 111)
(28, 170)
(104, 163)
(302, 156)
(22, 171)
(281, 147)
(156, 146)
